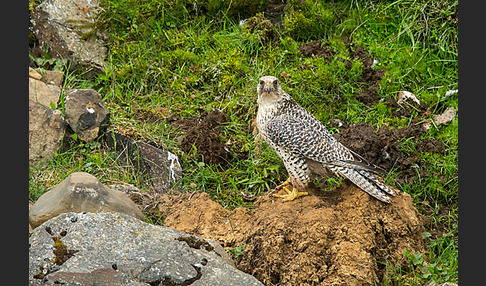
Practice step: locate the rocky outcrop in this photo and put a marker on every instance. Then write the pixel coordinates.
(65, 26)
(85, 113)
(80, 192)
(117, 249)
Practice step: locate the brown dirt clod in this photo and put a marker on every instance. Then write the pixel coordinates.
(317, 49)
(383, 148)
(204, 136)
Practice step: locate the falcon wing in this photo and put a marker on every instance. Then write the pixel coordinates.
(304, 135)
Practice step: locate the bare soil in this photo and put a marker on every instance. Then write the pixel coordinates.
(339, 237)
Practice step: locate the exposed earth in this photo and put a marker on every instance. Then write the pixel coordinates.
(324, 238)
(382, 147)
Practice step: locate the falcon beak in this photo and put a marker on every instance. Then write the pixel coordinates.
(268, 87)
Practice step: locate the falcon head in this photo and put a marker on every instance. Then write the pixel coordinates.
(269, 89)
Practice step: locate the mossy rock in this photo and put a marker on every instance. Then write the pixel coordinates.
(260, 27)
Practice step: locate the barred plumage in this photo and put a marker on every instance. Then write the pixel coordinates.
(301, 140)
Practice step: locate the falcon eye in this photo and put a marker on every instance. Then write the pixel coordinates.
(262, 82)
(275, 82)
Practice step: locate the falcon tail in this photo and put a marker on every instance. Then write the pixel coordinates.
(365, 181)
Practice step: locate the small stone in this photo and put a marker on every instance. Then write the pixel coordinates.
(45, 94)
(46, 132)
(34, 74)
(448, 115)
(451, 92)
(85, 112)
(404, 96)
(52, 77)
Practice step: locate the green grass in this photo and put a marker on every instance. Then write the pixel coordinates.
(176, 57)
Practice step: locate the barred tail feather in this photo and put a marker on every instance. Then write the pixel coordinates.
(377, 182)
(366, 182)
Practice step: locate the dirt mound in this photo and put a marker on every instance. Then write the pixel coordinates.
(261, 27)
(321, 239)
(201, 137)
(317, 49)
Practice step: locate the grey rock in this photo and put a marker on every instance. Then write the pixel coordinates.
(80, 192)
(163, 166)
(103, 276)
(61, 24)
(85, 113)
(160, 167)
(117, 249)
(46, 132)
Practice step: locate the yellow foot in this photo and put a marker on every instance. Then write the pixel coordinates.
(290, 194)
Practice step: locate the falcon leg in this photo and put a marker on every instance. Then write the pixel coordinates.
(283, 185)
(291, 195)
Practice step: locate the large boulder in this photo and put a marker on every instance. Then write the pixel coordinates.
(80, 192)
(85, 113)
(46, 132)
(117, 249)
(64, 26)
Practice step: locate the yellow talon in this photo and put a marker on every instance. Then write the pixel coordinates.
(283, 185)
(291, 195)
